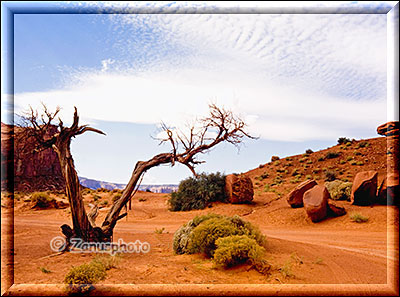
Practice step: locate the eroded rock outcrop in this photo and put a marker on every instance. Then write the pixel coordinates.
(390, 188)
(33, 170)
(239, 188)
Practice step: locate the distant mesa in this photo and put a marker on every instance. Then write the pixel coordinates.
(96, 184)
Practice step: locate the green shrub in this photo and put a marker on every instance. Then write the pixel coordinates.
(89, 273)
(200, 234)
(96, 197)
(358, 218)
(181, 236)
(343, 140)
(330, 175)
(309, 151)
(320, 159)
(339, 190)
(277, 180)
(198, 192)
(237, 249)
(360, 163)
(41, 199)
(362, 144)
(303, 159)
(331, 155)
(264, 175)
(116, 197)
(295, 172)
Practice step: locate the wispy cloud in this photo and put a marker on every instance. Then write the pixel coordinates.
(294, 77)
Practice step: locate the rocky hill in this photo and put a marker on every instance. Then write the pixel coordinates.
(340, 162)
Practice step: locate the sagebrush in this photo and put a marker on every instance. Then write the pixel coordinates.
(198, 192)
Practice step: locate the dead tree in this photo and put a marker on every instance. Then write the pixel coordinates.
(220, 126)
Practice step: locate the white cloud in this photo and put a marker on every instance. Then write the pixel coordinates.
(273, 112)
(292, 77)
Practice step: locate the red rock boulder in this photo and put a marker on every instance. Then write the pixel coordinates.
(363, 191)
(239, 188)
(316, 203)
(334, 210)
(295, 197)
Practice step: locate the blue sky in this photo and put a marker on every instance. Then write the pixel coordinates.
(299, 80)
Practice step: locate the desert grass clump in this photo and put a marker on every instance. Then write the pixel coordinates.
(45, 270)
(41, 199)
(362, 144)
(116, 197)
(339, 190)
(358, 218)
(237, 249)
(277, 180)
(303, 159)
(309, 151)
(80, 279)
(159, 230)
(108, 261)
(198, 192)
(286, 269)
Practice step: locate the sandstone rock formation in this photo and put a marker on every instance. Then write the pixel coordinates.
(390, 189)
(389, 129)
(316, 203)
(33, 170)
(364, 188)
(239, 188)
(295, 197)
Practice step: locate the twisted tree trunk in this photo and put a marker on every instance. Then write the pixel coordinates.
(225, 126)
